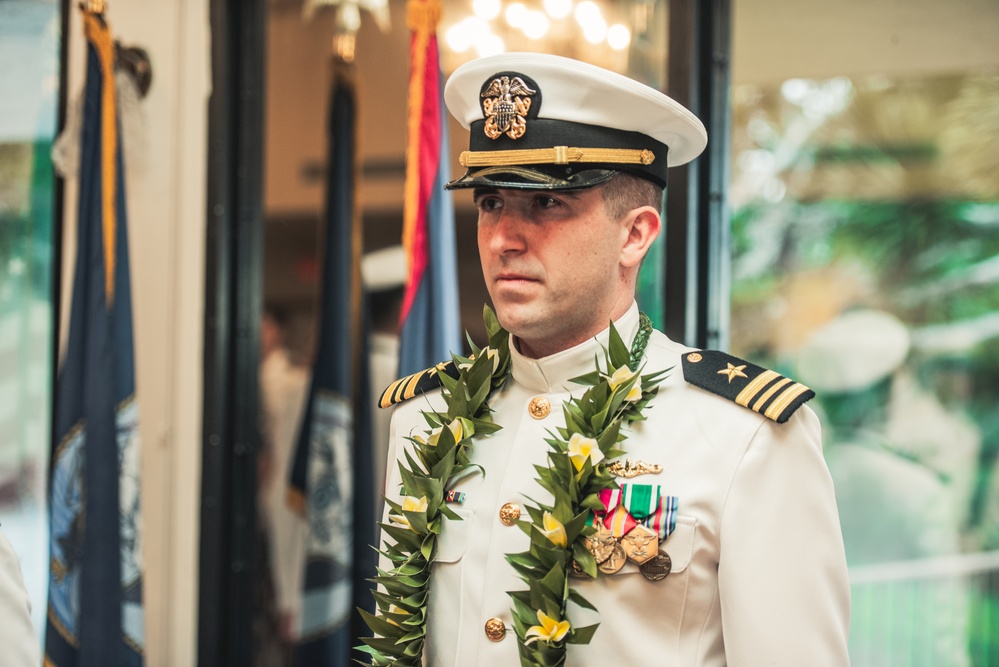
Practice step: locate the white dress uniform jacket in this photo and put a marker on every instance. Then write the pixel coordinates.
(18, 645)
(758, 568)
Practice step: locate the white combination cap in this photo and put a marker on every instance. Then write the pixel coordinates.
(548, 122)
(854, 351)
(384, 269)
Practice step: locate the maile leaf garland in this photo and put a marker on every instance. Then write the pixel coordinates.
(414, 525)
(574, 477)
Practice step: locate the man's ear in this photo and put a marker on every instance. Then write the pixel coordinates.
(643, 226)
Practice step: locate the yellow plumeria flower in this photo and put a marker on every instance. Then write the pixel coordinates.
(494, 355)
(622, 375)
(409, 504)
(553, 530)
(490, 354)
(414, 504)
(550, 630)
(393, 609)
(582, 448)
(456, 430)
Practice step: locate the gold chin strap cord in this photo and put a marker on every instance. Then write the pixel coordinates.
(556, 155)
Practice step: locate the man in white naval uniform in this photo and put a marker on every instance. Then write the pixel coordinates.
(758, 572)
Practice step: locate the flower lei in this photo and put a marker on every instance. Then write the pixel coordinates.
(574, 476)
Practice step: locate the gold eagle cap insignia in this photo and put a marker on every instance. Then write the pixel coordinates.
(505, 103)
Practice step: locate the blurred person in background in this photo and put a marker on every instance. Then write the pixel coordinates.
(283, 386)
(384, 274)
(18, 645)
(898, 499)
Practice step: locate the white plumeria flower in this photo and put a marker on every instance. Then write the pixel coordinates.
(622, 375)
(489, 352)
(414, 504)
(582, 449)
(494, 355)
(435, 435)
(554, 530)
(409, 504)
(456, 429)
(550, 630)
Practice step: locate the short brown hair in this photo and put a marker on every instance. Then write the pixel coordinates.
(625, 192)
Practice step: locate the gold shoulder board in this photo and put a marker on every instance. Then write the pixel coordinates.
(417, 383)
(768, 392)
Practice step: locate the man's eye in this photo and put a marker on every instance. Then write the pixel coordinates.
(543, 201)
(488, 203)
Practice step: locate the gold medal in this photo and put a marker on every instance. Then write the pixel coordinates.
(615, 561)
(576, 571)
(641, 544)
(601, 543)
(657, 568)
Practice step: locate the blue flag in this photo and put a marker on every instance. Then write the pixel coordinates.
(95, 615)
(430, 321)
(330, 473)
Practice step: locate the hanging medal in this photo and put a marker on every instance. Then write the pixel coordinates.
(641, 502)
(662, 522)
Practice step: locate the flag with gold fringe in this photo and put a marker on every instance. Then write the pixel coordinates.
(329, 457)
(430, 319)
(95, 614)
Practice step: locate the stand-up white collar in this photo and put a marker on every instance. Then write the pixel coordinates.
(552, 373)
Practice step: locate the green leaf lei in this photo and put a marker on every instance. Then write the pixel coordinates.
(574, 477)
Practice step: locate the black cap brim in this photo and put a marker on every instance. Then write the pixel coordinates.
(534, 177)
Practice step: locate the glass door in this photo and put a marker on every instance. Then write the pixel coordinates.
(29, 86)
(865, 240)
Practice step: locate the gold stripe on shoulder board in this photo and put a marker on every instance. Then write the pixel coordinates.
(421, 382)
(762, 390)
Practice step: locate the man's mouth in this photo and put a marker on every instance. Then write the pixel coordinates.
(508, 277)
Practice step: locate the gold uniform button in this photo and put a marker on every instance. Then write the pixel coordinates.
(509, 513)
(694, 357)
(539, 407)
(495, 630)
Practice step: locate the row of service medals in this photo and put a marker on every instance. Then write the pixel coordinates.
(631, 535)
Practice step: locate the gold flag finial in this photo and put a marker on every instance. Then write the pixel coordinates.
(94, 6)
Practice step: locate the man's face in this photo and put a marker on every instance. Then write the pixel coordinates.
(551, 262)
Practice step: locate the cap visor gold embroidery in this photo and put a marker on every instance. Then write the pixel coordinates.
(556, 155)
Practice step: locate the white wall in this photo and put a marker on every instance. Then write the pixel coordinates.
(166, 208)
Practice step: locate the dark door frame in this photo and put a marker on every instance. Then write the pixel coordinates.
(698, 254)
(233, 289)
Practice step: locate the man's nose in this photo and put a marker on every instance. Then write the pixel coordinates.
(507, 232)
